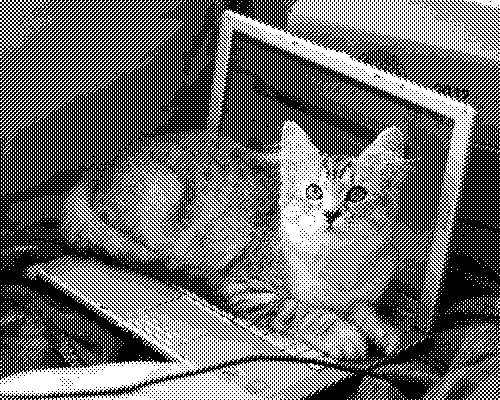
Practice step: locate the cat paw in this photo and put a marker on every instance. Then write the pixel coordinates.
(341, 341)
(248, 294)
(331, 335)
(288, 311)
(245, 286)
(244, 303)
(384, 335)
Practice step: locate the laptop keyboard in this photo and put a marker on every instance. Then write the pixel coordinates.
(187, 329)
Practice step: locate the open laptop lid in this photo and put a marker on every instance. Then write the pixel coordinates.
(264, 77)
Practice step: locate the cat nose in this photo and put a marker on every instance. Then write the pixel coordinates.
(331, 216)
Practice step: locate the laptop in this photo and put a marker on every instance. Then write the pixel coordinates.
(264, 77)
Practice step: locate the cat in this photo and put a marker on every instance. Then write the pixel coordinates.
(300, 271)
(330, 250)
(184, 210)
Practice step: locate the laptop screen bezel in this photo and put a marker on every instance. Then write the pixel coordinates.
(461, 114)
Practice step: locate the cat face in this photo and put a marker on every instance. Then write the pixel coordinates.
(325, 196)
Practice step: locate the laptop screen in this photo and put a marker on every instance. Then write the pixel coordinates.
(265, 77)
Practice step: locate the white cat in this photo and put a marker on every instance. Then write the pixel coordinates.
(337, 216)
(327, 248)
(331, 250)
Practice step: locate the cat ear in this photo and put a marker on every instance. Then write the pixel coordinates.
(295, 142)
(391, 139)
(299, 158)
(398, 170)
(386, 155)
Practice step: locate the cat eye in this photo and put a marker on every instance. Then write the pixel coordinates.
(314, 192)
(356, 193)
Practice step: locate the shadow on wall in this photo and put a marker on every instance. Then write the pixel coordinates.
(95, 77)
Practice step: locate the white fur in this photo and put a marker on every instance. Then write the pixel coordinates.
(336, 263)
